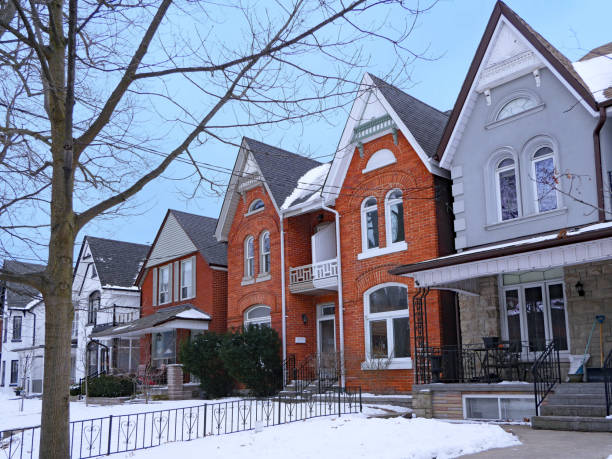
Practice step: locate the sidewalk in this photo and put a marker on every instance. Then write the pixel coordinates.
(552, 444)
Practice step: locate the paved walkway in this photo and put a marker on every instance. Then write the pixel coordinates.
(553, 444)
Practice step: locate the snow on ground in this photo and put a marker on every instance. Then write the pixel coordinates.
(12, 417)
(348, 436)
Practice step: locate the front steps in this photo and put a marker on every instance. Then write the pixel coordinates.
(574, 406)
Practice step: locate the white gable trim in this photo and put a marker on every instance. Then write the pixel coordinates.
(468, 105)
(346, 147)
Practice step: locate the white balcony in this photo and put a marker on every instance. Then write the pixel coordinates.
(316, 278)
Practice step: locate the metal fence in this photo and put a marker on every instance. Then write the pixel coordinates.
(130, 432)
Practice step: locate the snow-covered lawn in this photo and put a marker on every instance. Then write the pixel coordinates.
(348, 436)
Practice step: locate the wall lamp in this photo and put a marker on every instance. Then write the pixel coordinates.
(580, 288)
(304, 319)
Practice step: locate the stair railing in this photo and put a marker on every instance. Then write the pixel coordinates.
(328, 370)
(546, 371)
(288, 371)
(607, 370)
(305, 373)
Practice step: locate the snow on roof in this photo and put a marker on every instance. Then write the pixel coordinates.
(120, 287)
(192, 314)
(597, 73)
(307, 185)
(33, 303)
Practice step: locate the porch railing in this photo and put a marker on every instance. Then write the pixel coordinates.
(322, 369)
(607, 369)
(546, 371)
(317, 271)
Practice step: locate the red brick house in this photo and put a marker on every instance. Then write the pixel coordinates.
(183, 284)
(383, 200)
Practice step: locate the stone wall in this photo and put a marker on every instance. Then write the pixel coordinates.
(480, 314)
(596, 279)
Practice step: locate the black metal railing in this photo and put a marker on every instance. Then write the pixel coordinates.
(546, 372)
(479, 363)
(288, 370)
(316, 371)
(131, 432)
(305, 373)
(607, 370)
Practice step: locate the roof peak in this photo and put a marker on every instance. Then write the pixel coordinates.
(87, 236)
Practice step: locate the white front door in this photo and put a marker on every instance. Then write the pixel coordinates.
(324, 243)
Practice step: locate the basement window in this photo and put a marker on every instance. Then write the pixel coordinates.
(498, 407)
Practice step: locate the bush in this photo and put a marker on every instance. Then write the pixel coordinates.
(201, 357)
(252, 356)
(109, 386)
(75, 390)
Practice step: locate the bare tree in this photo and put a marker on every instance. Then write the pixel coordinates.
(100, 97)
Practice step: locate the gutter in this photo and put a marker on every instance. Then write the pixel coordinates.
(340, 296)
(598, 164)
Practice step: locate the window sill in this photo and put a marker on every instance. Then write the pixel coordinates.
(263, 277)
(247, 281)
(397, 247)
(190, 297)
(16, 341)
(253, 212)
(394, 364)
(527, 218)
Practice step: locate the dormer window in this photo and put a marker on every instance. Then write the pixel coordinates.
(514, 107)
(256, 205)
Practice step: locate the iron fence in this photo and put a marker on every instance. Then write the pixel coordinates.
(131, 432)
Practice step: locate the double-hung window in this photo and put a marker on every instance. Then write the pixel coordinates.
(187, 279)
(17, 321)
(545, 179)
(258, 315)
(264, 252)
(394, 217)
(369, 223)
(387, 322)
(507, 196)
(164, 284)
(93, 307)
(14, 372)
(249, 257)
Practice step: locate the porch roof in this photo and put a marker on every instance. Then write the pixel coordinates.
(166, 319)
(563, 248)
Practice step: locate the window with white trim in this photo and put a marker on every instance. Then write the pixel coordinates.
(387, 322)
(545, 179)
(186, 279)
(507, 189)
(515, 106)
(256, 205)
(93, 307)
(17, 321)
(164, 285)
(14, 372)
(249, 257)
(369, 223)
(264, 252)
(394, 217)
(258, 315)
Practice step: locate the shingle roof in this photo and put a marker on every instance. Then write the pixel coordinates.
(281, 169)
(117, 262)
(424, 122)
(201, 231)
(602, 50)
(18, 295)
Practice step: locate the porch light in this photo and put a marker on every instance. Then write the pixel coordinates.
(580, 288)
(304, 319)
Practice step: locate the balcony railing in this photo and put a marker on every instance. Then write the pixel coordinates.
(316, 275)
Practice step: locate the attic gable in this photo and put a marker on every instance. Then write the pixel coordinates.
(171, 242)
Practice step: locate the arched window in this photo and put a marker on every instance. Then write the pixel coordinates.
(264, 252)
(257, 315)
(249, 257)
(93, 307)
(507, 196)
(387, 322)
(545, 179)
(515, 106)
(394, 217)
(369, 223)
(256, 205)
(379, 159)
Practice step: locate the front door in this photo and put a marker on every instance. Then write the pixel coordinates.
(326, 338)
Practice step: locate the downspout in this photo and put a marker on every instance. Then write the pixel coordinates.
(598, 164)
(340, 296)
(283, 300)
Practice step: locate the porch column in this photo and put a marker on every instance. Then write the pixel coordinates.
(175, 381)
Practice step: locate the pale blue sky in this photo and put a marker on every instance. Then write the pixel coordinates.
(451, 30)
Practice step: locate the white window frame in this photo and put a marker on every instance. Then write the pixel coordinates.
(464, 397)
(187, 281)
(252, 209)
(508, 102)
(167, 268)
(388, 228)
(17, 319)
(265, 321)
(263, 255)
(249, 261)
(396, 363)
(364, 224)
(498, 171)
(535, 160)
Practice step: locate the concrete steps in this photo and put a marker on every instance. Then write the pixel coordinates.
(574, 406)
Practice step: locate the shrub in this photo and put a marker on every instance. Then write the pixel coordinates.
(75, 390)
(252, 356)
(109, 386)
(200, 357)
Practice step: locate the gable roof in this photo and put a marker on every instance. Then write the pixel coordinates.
(425, 122)
(117, 262)
(19, 295)
(280, 168)
(552, 55)
(201, 231)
